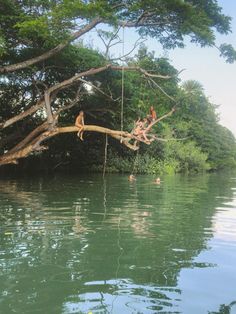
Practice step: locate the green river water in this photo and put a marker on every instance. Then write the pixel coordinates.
(81, 244)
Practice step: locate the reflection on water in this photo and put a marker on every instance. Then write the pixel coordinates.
(83, 244)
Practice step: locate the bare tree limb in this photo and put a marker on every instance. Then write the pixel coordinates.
(136, 44)
(52, 52)
(41, 128)
(169, 139)
(109, 44)
(53, 90)
(161, 89)
(161, 118)
(48, 106)
(33, 142)
(40, 103)
(70, 105)
(142, 20)
(141, 70)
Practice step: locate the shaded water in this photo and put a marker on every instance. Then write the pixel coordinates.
(84, 245)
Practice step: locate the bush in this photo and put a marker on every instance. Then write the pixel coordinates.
(188, 155)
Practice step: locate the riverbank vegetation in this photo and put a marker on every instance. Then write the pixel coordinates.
(48, 76)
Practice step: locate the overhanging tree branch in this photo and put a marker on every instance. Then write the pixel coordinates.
(33, 142)
(40, 103)
(36, 144)
(52, 52)
(52, 91)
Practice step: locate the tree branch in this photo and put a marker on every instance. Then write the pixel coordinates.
(161, 118)
(40, 103)
(53, 90)
(138, 69)
(136, 44)
(48, 106)
(161, 89)
(52, 52)
(35, 144)
(42, 133)
(41, 128)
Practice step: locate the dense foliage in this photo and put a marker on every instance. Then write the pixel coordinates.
(38, 51)
(196, 140)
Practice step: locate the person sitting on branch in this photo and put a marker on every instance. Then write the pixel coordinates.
(79, 122)
(140, 129)
(152, 116)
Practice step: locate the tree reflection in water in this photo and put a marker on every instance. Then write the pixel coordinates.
(93, 244)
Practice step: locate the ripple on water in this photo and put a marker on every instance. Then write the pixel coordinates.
(74, 245)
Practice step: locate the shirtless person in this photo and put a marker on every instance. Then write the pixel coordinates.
(140, 129)
(79, 122)
(152, 116)
(131, 178)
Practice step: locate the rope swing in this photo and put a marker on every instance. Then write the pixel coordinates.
(122, 84)
(122, 105)
(105, 157)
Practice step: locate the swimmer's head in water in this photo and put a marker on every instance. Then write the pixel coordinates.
(132, 177)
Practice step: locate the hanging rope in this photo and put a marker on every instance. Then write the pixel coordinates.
(121, 252)
(122, 101)
(104, 198)
(105, 157)
(145, 95)
(134, 171)
(122, 85)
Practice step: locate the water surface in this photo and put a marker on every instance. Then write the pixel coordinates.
(74, 244)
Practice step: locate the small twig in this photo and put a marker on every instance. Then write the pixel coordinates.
(61, 163)
(161, 89)
(168, 139)
(74, 102)
(136, 44)
(109, 44)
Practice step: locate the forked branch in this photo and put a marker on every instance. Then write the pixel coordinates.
(51, 92)
(34, 141)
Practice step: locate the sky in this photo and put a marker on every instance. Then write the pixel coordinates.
(217, 77)
(204, 65)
